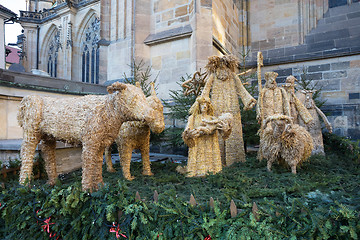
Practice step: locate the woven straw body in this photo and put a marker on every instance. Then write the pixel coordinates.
(201, 135)
(314, 127)
(281, 140)
(93, 121)
(226, 88)
(136, 135)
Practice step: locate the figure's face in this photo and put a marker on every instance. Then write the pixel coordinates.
(222, 74)
(203, 107)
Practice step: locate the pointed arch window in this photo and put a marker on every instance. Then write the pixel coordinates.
(90, 53)
(53, 51)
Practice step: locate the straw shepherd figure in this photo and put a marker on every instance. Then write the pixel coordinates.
(136, 135)
(297, 108)
(314, 127)
(284, 142)
(272, 99)
(226, 88)
(201, 135)
(94, 121)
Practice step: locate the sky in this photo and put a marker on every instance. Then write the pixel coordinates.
(12, 30)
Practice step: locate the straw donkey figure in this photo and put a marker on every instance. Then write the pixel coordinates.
(282, 140)
(93, 121)
(226, 88)
(136, 135)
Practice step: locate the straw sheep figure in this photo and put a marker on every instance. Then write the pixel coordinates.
(94, 121)
(136, 135)
(226, 88)
(284, 141)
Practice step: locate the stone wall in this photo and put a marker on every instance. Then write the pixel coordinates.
(230, 27)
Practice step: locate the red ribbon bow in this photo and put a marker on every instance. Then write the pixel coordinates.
(208, 238)
(46, 227)
(116, 229)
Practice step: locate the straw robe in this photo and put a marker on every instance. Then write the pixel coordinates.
(226, 88)
(314, 127)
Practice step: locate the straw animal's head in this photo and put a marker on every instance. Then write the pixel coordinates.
(132, 101)
(279, 124)
(158, 125)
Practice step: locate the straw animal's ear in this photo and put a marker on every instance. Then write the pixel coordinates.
(137, 84)
(116, 87)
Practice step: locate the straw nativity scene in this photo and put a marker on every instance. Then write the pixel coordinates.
(213, 132)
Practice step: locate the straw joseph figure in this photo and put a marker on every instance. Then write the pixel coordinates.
(201, 135)
(93, 121)
(136, 135)
(225, 88)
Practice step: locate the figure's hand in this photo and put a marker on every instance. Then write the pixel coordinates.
(195, 133)
(250, 105)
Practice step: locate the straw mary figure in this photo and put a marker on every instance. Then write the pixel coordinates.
(314, 128)
(297, 109)
(94, 121)
(136, 135)
(225, 89)
(201, 135)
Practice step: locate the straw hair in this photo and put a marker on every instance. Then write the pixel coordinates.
(93, 121)
(226, 88)
(136, 135)
(281, 140)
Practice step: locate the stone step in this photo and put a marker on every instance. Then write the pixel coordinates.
(325, 36)
(349, 23)
(341, 10)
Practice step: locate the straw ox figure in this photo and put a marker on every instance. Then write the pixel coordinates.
(136, 135)
(283, 141)
(94, 121)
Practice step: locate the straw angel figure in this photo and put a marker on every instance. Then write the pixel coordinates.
(225, 89)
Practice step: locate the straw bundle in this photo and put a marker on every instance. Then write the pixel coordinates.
(314, 127)
(272, 99)
(281, 140)
(225, 89)
(201, 135)
(136, 135)
(93, 121)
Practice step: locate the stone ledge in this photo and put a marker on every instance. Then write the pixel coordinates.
(176, 33)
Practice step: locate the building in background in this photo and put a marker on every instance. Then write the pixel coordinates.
(96, 41)
(5, 16)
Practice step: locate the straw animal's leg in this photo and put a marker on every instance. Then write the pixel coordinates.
(270, 161)
(47, 148)
(125, 153)
(88, 166)
(30, 141)
(109, 165)
(98, 179)
(145, 156)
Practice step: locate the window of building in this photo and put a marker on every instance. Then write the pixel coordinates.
(53, 54)
(90, 53)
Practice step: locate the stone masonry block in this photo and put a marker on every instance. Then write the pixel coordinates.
(330, 85)
(319, 68)
(312, 76)
(181, 11)
(284, 72)
(340, 65)
(336, 74)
